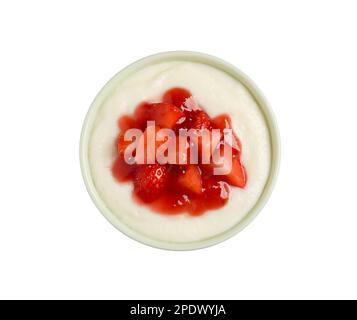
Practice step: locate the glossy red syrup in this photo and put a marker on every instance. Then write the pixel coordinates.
(173, 189)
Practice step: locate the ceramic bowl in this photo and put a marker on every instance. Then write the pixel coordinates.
(193, 57)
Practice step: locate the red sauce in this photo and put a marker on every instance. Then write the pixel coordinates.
(171, 188)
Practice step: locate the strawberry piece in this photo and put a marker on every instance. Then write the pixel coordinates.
(146, 150)
(150, 181)
(224, 122)
(207, 144)
(121, 170)
(141, 114)
(122, 144)
(165, 115)
(216, 192)
(237, 177)
(126, 123)
(176, 96)
(234, 170)
(201, 121)
(236, 144)
(186, 121)
(182, 150)
(190, 179)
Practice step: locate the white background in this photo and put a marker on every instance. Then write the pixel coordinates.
(54, 58)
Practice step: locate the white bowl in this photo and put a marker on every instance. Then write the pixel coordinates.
(193, 57)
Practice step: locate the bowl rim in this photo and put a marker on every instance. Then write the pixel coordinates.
(193, 57)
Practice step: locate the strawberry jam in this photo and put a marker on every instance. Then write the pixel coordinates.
(175, 187)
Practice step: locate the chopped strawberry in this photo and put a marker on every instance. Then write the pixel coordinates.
(165, 115)
(201, 121)
(182, 150)
(232, 169)
(207, 143)
(222, 122)
(216, 192)
(236, 144)
(122, 144)
(147, 145)
(121, 170)
(127, 122)
(150, 181)
(186, 121)
(187, 183)
(190, 179)
(141, 114)
(176, 96)
(237, 177)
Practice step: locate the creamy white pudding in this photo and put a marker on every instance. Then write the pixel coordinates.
(218, 93)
